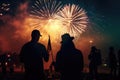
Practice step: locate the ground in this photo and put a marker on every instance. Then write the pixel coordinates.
(20, 76)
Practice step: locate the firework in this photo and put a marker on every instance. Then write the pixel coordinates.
(43, 12)
(45, 9)
(54, 19)
(74, 18)
(71, 18)
(4, 7)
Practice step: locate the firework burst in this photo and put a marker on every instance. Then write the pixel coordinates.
(45, 9)
(43, 12)
(74, 18)
(55, 19)
(4, 8)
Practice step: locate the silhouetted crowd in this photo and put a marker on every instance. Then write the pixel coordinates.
(69, 60)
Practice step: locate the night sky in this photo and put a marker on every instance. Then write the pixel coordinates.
(104, 14)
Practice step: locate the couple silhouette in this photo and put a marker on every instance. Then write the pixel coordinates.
(69, 60)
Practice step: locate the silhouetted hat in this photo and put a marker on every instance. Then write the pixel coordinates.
(35, 33)
(93, 48)
(66, 37)
(111, 48)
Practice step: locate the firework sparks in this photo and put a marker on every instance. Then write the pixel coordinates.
(51, 17)
(4, 7)
(45, 9)
(42, 17)
(74, 18)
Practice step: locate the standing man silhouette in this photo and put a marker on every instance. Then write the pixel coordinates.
(95, 60)
(32, 55)
(69, 60)
(112, 61)
(118, 54)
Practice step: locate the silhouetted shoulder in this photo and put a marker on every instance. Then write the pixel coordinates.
(41, 45)
(30, 48)
(32, 45)
(26, 45)
(78, 52)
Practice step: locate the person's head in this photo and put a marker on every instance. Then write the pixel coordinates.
(35, 35)
(93, 48)
(66, 38)
(67, 42)
(111, 48)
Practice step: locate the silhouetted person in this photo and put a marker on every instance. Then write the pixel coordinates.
(3, 63)
(11, 62)
(112, 61)
(32, 55)
(119, 62)
(3, 60)
(95, 60)
(69, 60)
(99, 57)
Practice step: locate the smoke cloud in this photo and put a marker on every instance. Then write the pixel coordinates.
(11, 28)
